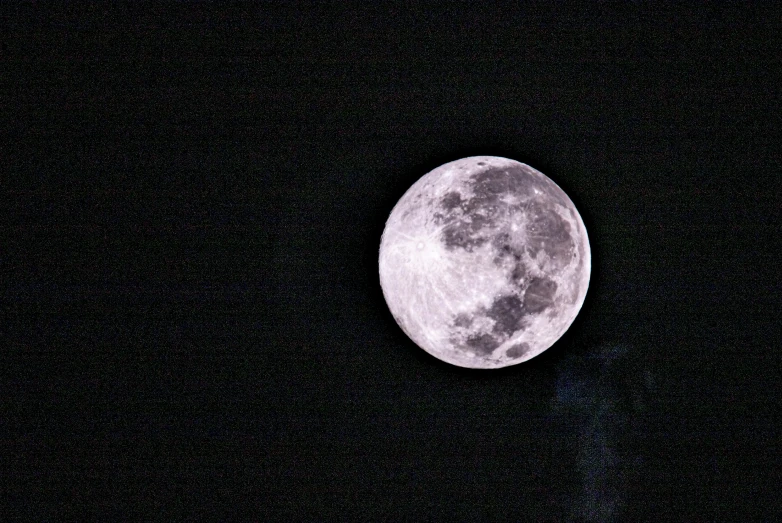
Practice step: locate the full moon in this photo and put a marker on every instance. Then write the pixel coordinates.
(484, 262)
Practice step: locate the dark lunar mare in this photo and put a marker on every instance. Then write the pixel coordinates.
(507, 312)
(547, 231)
(462, 235)
(518, 273)
(482, 344)
(472, 221)
(539, 295)
(451, 201)
(462, 320)
(505, 250)
(489, 183)
(517, 350)
(468, 220)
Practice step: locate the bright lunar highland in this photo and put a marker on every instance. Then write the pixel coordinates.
(484, 262)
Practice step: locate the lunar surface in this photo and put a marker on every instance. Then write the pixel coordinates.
(484, 262)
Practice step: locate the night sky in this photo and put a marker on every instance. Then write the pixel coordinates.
(192, 320)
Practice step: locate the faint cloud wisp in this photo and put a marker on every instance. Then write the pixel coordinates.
(598, 395)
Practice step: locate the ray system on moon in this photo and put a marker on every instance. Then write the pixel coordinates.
(484, 262)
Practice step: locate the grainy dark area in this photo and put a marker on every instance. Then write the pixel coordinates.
(193, 196)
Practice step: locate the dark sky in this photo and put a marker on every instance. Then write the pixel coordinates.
(192, 319)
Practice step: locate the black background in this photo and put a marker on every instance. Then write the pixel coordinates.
(192, 316)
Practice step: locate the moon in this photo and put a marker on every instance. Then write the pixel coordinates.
(484, 262)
